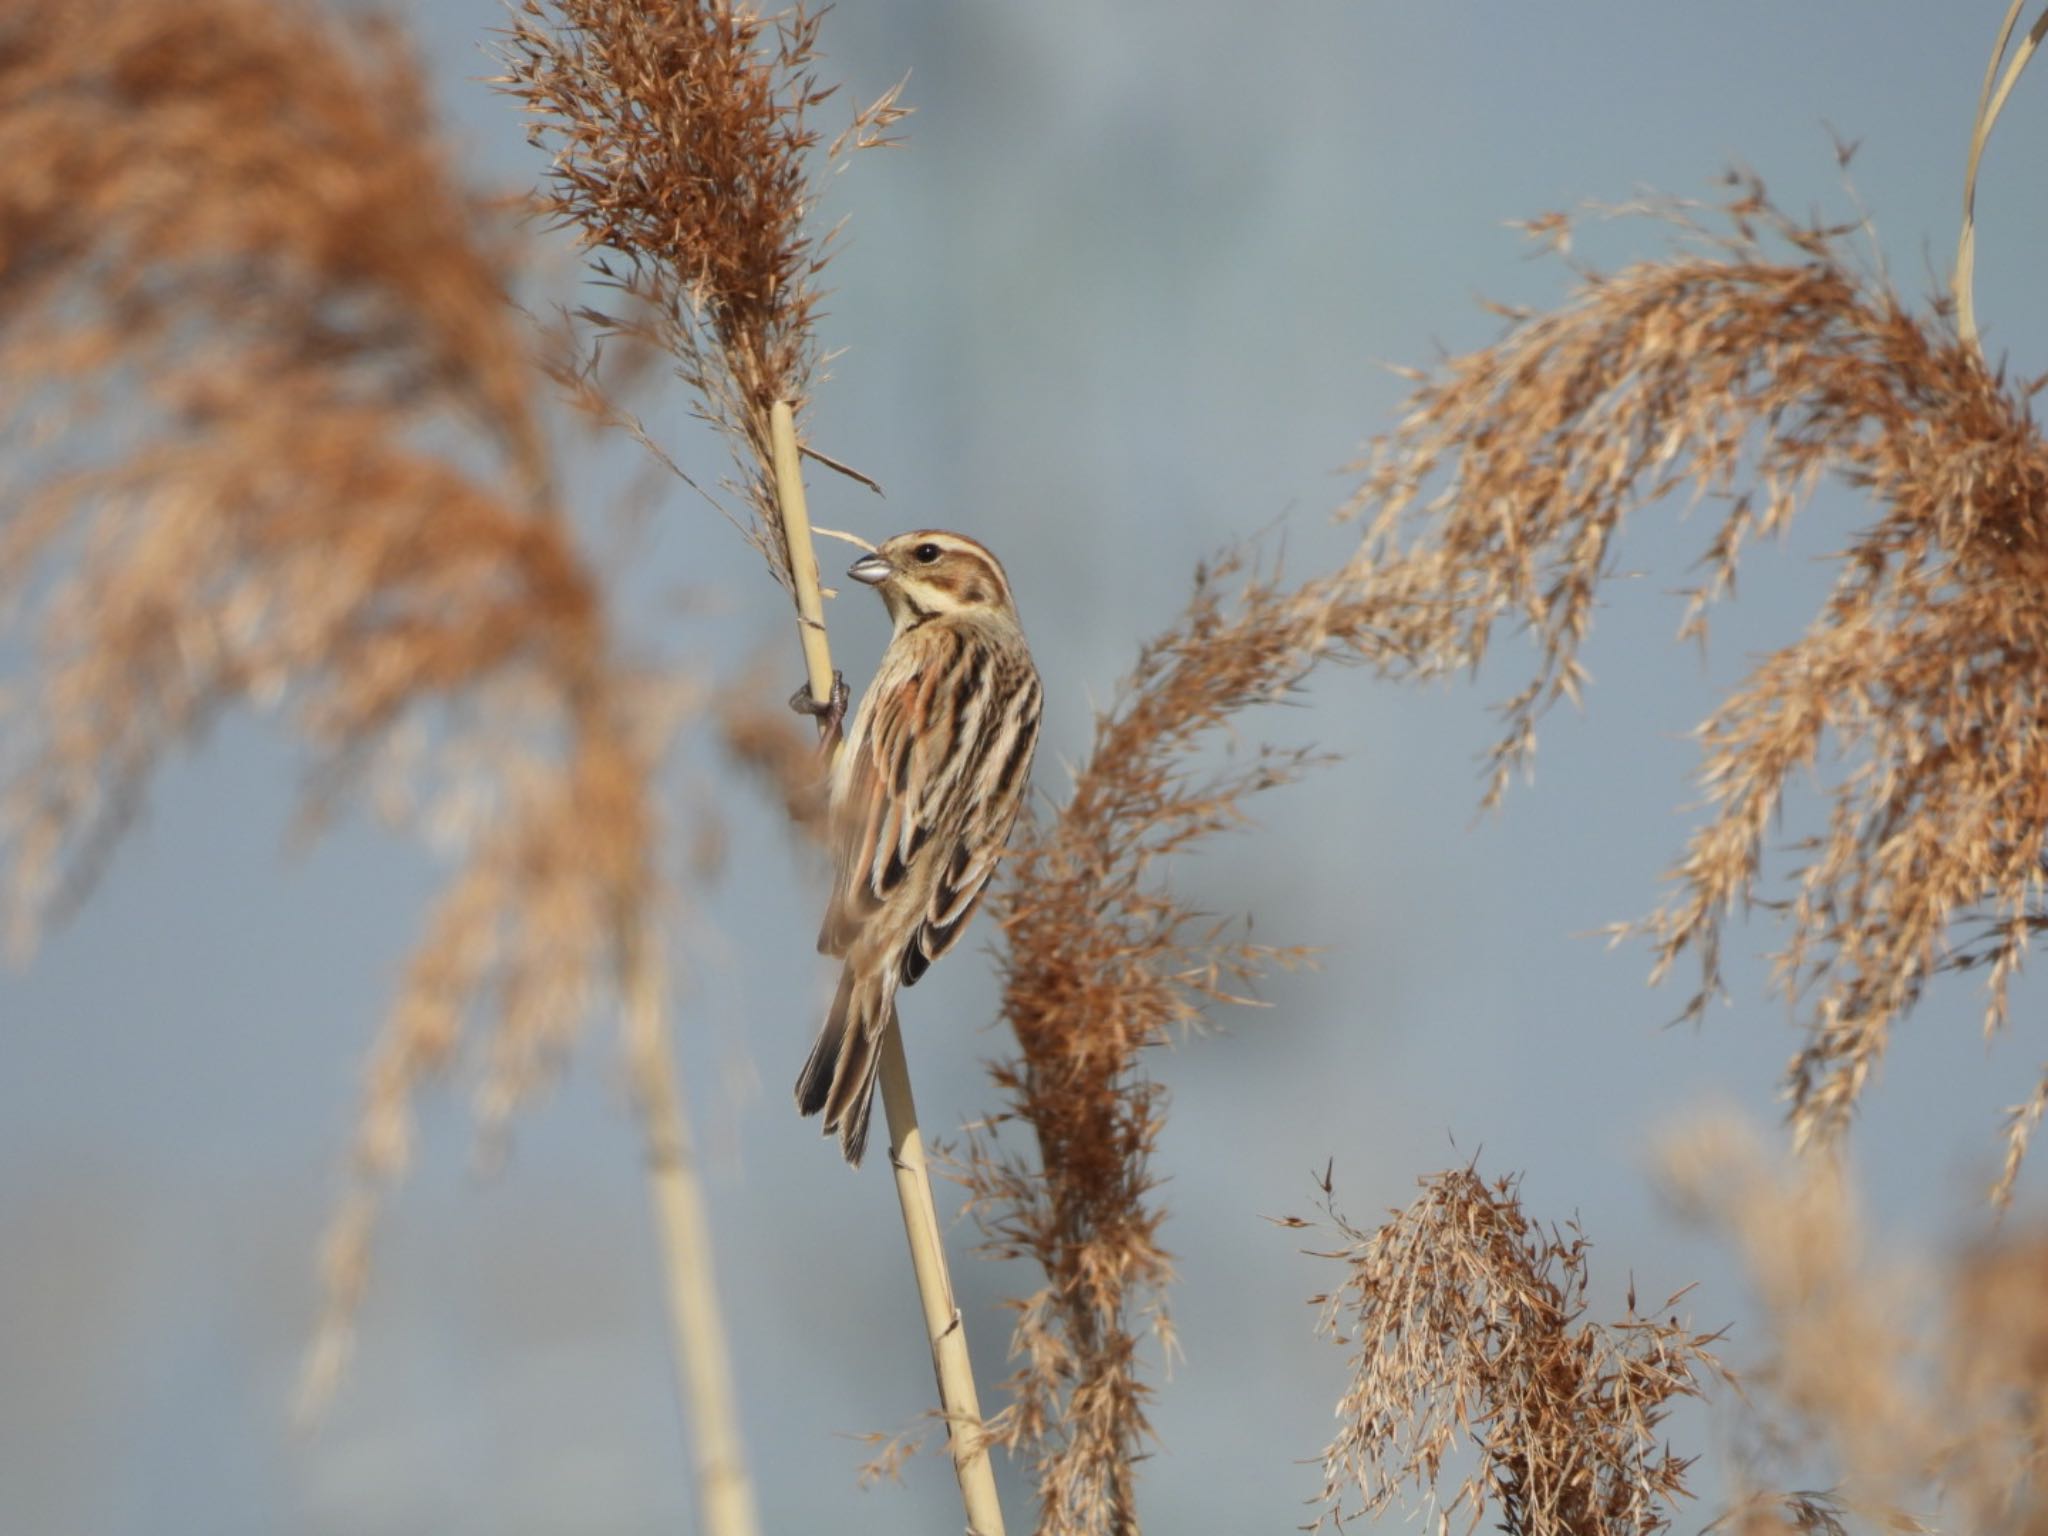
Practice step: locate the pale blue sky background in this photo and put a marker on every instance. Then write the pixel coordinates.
(1122, 299)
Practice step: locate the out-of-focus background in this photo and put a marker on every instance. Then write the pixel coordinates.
(1123, 299)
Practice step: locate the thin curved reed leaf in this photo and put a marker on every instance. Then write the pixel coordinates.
(1990, 104)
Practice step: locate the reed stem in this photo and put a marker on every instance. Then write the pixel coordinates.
(725, 1495)
(943, 1326)
(1990, 102)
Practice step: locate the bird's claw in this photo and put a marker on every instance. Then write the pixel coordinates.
(828, 714)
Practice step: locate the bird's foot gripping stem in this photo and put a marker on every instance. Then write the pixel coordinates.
(829, 714)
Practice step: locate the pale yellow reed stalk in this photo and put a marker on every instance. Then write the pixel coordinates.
(1989, 104)
(943, 1326)
(682, 1225)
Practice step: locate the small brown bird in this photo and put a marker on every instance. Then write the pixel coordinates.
(923, 795)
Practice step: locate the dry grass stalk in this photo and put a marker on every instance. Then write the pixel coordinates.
(725, 1493)
(1747, 366)
(1924, 1395)
(683, 143)
(1102, 963)
(275, 439)
(1990, 103)
(1465, 1322)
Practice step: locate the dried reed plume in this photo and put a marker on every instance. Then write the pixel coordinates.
(1746, 366)
(1103, 962)
(1920, 1394)
(276, 445)
(1465, 1323)
(683, 144)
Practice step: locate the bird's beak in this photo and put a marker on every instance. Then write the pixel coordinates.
(872, 569)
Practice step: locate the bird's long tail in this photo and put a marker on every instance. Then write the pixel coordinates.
(839, 1077)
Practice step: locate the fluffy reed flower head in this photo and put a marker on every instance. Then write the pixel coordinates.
(1916, 1394)
(682, 134)
(1102, 962)
(1747, 366)
(232, 254)
(1464, 1321)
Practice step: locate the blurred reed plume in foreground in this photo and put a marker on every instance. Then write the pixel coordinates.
(1920, 1394)
(273, 442)
(1465, 1318)
(1747, 365)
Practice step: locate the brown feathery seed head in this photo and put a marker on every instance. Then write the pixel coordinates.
(1746, 367)
(1911, 1388)
(1465, 1323)
(682, 142)
(1103, 962)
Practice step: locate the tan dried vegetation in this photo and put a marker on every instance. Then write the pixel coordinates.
(1465, 1323)
(1756, 360)
(274, 442)
(681, 138)
(1902, 1397)
(1919, 1393)
(1101, 963)
(683, 152)
(1746, 367)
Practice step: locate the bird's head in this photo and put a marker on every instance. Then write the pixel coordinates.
(929, 574)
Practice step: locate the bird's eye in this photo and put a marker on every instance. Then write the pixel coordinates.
(927, 554)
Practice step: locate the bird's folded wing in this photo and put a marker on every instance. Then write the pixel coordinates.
(938, 771)
(886, 811)
(988, 791)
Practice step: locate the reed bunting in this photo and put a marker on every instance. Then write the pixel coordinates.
(923, 794)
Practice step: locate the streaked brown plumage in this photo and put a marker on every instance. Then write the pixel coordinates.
(924, 792)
